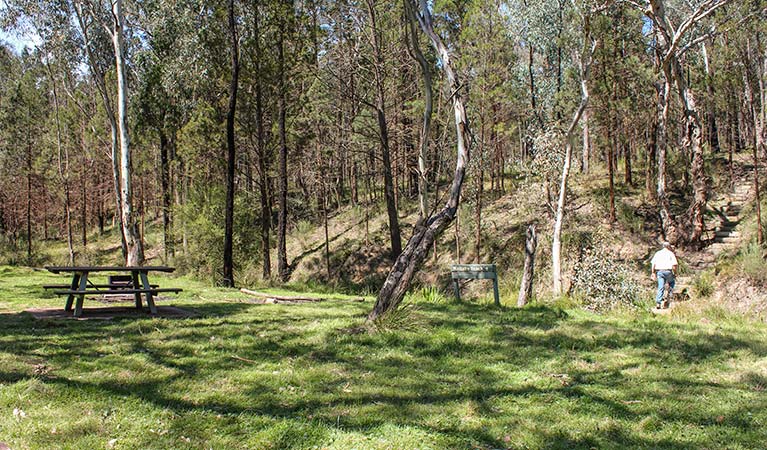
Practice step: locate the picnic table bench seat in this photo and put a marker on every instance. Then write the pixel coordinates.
(135, 281)
(111, 286)
(118, 291)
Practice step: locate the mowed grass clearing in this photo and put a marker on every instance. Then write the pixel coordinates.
(249, 376)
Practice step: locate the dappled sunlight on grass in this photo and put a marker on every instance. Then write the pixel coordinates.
(241, 375)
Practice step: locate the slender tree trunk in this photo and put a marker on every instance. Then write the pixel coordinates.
(423, 148)
(526, 286)
(283, 269)
(757, 141)
(29, 198)
(628, 178)
(167, 238)
(263, 157)
(713, 131)
(669, 226)
(652, 145)
(586, 155)
(585, 58)
(389, 194)
(132, 240)
(427, 230)
(63, 165)
(228, 280)
(479, 188)
(83, 210)
(98, 77)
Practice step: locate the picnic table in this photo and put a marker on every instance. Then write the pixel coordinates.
(137, 284)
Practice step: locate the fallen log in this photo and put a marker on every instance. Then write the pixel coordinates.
(271, 298)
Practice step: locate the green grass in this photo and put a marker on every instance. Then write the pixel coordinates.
(241, 375)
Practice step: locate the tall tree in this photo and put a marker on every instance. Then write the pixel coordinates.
(228, 280)
(583, 56)
(426, 231)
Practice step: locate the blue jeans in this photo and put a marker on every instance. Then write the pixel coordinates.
(663, 276)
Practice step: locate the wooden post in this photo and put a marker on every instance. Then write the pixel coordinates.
(136, 285)
(149, 299)
(526, 287)
(80, 297)
(75, 284)
(457, 289)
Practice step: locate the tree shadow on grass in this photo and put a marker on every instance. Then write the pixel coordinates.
(472, 355)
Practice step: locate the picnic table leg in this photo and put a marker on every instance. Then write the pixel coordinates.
(457, 289)
(136, 285)
(149, 299)
(495, 291)
(73, 286)
(81, 297)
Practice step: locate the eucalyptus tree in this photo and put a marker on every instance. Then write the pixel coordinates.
(672, 40)
(583, 57)
(426, 231)
(414, 48)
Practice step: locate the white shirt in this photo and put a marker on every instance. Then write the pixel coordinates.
(663, 259)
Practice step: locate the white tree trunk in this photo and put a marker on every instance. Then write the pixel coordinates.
(585, 58)
(135, 254)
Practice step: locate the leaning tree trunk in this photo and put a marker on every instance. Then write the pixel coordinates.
(133, 243)
(526, 286)
(427, 230)
(228, 280)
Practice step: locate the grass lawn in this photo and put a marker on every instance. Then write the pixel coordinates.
(247, 376)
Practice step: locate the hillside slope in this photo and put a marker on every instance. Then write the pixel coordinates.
(361, 263)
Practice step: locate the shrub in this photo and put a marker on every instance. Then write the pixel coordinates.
(431, 294)
(753, 265)
(604, 283)
(703, 285)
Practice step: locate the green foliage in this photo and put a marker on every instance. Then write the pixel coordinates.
(431, 294)
(703, 285)
(604, 283)
(753, 265)
(203, 218)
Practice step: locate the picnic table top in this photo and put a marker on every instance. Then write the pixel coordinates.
(58, 269)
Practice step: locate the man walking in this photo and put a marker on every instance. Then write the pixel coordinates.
(663, 267)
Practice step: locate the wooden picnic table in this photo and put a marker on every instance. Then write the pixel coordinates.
(137, 284)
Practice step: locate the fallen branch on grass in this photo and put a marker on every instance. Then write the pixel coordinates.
(271, 298)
